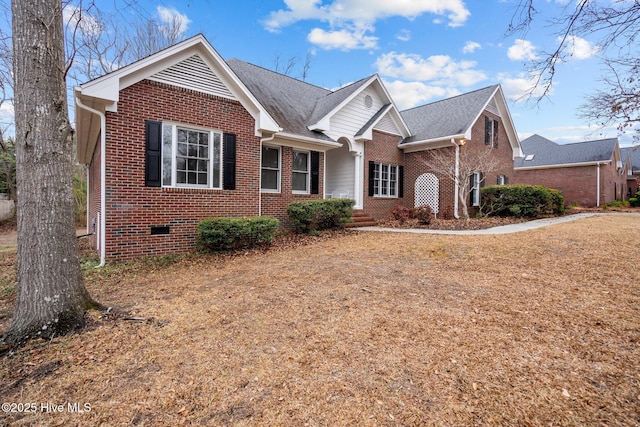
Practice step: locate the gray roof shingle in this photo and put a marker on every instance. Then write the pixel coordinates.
(289, 101)
(448, 117)
(547, 153)
(634, 152)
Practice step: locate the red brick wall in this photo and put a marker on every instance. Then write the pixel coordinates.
(132, 208)
(417, 163)
(383, 148)
(579, 184)
(275, 204)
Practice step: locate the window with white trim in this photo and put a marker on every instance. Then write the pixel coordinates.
(385, 180)
(475, 179)
(301, 172)
(270, 169)
(191, 157)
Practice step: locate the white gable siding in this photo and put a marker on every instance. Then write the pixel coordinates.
(492, 107)
(193, 73)
(386, 124)
(353, 116)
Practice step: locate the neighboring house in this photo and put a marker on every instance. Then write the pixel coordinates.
(588, 174)
(632, 154)
(462, 126)
(183, 134)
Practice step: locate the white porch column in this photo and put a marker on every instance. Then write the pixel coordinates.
(358, 184)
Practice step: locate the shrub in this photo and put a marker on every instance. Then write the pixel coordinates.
(402, 214)
(521, 200)
(219, 234)
(424, 214)
(634, 202)
(314, 215)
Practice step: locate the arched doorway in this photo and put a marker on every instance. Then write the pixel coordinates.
(427, 192)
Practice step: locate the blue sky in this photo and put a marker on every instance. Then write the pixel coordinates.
(424, 50)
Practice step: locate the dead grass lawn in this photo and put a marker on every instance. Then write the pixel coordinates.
(529, 329)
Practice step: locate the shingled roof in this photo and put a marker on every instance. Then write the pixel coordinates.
(542, 152)
(447, 118)
(634, 153)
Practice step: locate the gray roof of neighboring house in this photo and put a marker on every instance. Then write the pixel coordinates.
(547, 153)
(292, 103)
(448, 117)
(634, 152)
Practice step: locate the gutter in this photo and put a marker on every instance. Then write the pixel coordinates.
(103, 180)
(456, 190)
(418, 144)
(562, 165)
(598, 184)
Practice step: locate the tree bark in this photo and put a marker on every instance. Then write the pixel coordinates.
(51, 296)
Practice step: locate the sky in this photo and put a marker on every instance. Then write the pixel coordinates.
(423, 50)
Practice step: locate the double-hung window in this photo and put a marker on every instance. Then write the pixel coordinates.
(490, 132)
(301, 172)
(270, 169)
(191, 157)
(475, 181)
(385, 180)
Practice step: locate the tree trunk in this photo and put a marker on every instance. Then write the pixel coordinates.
(51, 296)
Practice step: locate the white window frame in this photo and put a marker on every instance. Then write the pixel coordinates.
(475, 191)
(306, 172)
(501, 179)
(174, 156)
(384, 186)
(278, 170)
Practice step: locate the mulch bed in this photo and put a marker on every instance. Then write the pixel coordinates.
(355, 328)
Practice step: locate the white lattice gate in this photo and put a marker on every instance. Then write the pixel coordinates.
(427, 191)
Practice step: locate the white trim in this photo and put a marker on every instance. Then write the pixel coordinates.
(304, 142)
(279, 170)
(307, 172)
(431, 144)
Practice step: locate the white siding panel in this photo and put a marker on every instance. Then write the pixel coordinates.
(492, 107)
(340, 171)
(354, 115)
(194, 74)
(386, 124)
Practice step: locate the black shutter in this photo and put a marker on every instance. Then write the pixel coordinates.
(482, 179)
(153, 154)
(400, 181)
(315, 172)
(229, 162)
(506, 180)
(487, 130)
(495, 134)
(372, 171)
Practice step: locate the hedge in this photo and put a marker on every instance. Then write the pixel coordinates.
(220, 234)
(521, 200)
(314, 215)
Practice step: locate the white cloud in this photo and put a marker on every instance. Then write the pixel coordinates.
(471, 47)
(580, 48)
(404, 35)
(410, 94)
(521, 86)
(344, 15)
(341, 39)
(171, 17)
(76, 17)
(438, 69)
(7, 117)
(522, 50)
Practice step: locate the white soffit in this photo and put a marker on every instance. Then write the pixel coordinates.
(193, 73)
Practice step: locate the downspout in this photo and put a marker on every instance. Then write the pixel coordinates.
(103, 178)
(598, 184)
(457, 180)
(260, 173)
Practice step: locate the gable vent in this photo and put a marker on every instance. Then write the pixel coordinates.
(194, 74)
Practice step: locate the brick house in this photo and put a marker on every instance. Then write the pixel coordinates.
(632, 154)
(462, 125)
(183, 134)
(589, 173)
